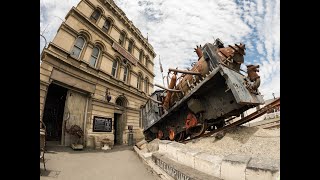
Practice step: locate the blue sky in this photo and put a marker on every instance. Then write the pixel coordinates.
(175, 27)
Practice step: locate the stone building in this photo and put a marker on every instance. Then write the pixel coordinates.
(96, 73)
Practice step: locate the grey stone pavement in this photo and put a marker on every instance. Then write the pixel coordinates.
(119, 163)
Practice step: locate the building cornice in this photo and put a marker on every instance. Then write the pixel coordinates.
(109, 4)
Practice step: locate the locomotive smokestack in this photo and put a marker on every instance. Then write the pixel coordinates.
(198, 51)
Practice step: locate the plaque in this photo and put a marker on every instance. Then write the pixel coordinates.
(124, 53)
(102, 124)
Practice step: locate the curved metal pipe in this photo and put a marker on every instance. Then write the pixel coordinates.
(172, 90)
(44, 40)
(184, 71)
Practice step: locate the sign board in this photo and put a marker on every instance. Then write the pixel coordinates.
(102, 124)
(124, 53)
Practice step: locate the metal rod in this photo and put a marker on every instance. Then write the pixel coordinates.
(172, 90)
(155, 100)
(161, 70)
(44, 40)
(185, 72)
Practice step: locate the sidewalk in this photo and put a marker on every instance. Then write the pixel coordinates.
(63, 163)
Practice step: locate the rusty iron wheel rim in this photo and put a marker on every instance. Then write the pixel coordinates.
(180, 136)
(160, 134)
(171, 134)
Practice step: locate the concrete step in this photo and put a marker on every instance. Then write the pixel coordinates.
(230, 167)
(179, 171)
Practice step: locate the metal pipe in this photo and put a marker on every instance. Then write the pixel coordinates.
(85, 122)
(44, 40)
(172, 84)
(172, 90)
(184, 71)
(155, 100)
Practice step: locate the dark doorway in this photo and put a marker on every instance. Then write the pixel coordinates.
(117, 129)
(53, 111)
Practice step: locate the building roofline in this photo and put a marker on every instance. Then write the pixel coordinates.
(111, 5)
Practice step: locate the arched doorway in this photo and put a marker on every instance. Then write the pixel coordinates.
(119, 119)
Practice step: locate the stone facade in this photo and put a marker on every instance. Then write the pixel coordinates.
(98, 51)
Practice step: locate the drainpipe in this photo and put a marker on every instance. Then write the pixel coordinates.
(85, 122)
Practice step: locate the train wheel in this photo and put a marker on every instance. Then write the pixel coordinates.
(180, 136)
(160, 134)
(172, 134)
(221, 124)
(198, 130)
(149, 136)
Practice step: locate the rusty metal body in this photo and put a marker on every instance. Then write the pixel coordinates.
(203, 100)
(168, 96)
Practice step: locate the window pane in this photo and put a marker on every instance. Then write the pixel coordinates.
(79, 42)
(92, 61)
(95, 52)
(75, 52)
(113, 71)
(140, 85)
(96, 14)
(125, 74)
(141, 56)
(121, 39)
(130, 46)
(114, 68)
(146, 85)
(124, 78)
(106, 24)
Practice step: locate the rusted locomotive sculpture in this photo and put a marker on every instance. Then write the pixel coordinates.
(203, 97)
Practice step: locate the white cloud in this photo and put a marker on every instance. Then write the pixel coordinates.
(176, 27)
(260, 48)
(52, 14)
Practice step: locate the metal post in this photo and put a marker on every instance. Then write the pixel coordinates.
(130, 135)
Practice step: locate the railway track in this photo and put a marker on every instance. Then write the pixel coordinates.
(266, 124)
(271, 125)
(244, 120)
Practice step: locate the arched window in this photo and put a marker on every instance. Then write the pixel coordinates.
(146, 85)
(114, 68)
(95, 15)
(106, 25)
(139, 81)
(125, 74)
(119, 102)
(122, 101)
(94, 56)
(122, 38)
(130, 46)
(141, 56)
(78, 46)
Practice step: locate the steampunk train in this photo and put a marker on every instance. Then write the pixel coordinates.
(204, 97)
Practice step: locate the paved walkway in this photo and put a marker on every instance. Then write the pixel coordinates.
(120, 163)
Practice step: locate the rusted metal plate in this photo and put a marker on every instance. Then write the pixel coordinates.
(235, 82)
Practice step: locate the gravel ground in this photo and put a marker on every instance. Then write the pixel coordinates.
(252, 141)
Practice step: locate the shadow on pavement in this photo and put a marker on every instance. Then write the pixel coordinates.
(53, 149)
(49, 173)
